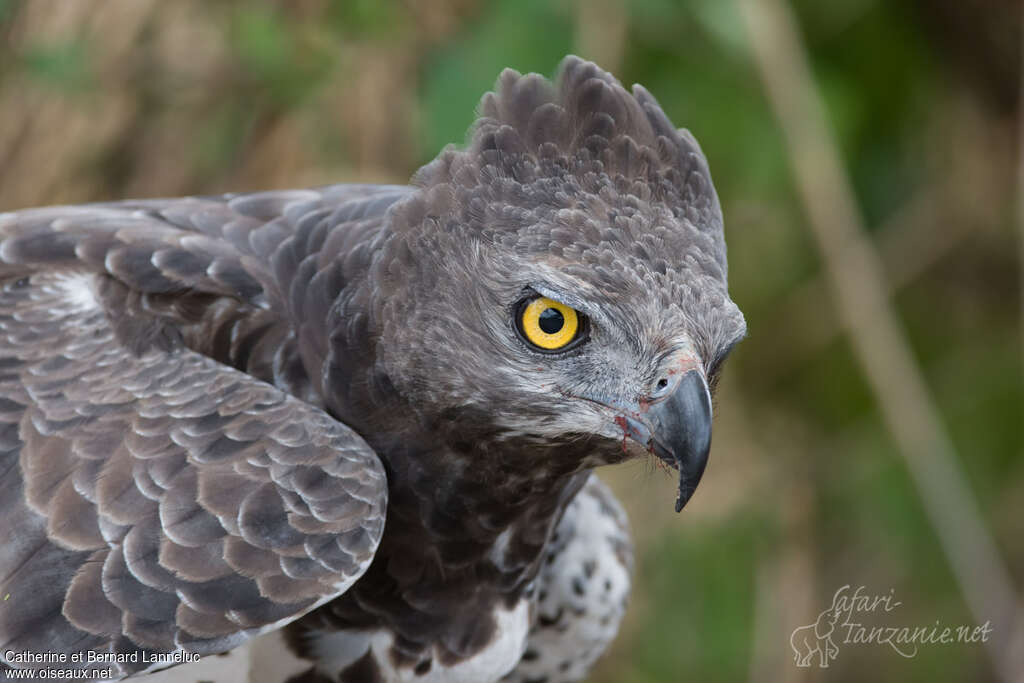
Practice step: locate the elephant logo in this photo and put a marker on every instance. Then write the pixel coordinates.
(816, 638)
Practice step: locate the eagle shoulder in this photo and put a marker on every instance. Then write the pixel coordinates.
(153, 498)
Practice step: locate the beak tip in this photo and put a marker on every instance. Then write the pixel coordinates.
(678, 431)
(685, 494)
(685, 422)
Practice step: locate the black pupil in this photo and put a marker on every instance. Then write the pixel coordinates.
(551, 321)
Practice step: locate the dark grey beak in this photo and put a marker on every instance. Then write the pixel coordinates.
(681, 431)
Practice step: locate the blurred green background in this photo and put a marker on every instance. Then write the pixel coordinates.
(806, 490)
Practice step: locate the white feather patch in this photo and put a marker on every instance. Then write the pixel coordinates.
(339, 649)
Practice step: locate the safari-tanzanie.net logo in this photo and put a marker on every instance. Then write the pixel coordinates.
(857, 617)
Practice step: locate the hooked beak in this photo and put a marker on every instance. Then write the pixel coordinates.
(678, 430)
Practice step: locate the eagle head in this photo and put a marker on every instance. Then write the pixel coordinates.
(562, 279)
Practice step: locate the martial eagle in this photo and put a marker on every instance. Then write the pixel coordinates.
(363, 415)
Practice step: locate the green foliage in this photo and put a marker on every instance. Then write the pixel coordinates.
(528, 36)
(6, 9)
(64, 66)
(366, 18)
(280, 58)
(702, 584)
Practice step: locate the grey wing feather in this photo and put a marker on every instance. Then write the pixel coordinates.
(152, 498)
(248, 246)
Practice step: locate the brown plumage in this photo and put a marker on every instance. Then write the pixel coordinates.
(209, 403)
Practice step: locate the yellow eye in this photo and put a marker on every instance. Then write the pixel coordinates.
(547, 324)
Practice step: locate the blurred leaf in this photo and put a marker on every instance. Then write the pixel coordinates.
(262, 40)
(703, 582)
(876, 104)
(721, 20)
(283, 58)
(528, 36)
(362, 18)
(831, 389)
(65, 65)
(7, 8)
(216, 143)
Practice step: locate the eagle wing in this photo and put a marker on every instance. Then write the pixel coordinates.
(154, 499)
